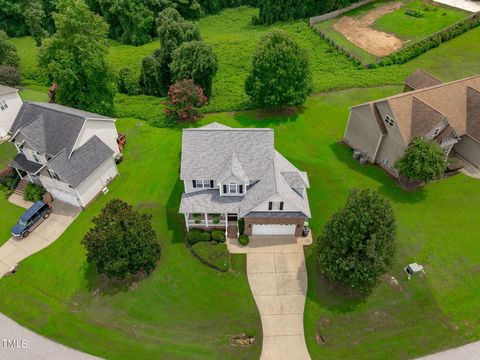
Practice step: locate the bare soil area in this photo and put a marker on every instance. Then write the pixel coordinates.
(358, 30)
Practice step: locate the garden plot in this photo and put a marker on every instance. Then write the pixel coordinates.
(360, 32)
(382, 28)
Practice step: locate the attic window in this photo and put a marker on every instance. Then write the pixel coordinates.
(436, 131)
(275, 205)
(389, 121)
(3, 105)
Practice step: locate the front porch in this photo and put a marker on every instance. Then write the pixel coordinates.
(227, 222)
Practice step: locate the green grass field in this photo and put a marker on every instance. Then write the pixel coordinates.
(187, 311)
(407, 28)
(410, 28)
(234, 39)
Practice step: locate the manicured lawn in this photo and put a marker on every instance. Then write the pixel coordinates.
(410, 28)
(184, 310)
(234, 39)
(9, 213)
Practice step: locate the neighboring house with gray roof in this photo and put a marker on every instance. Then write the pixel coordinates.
(448, 113)
(67, 151)
(235, 173)
(10, 104)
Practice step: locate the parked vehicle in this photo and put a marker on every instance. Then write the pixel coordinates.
(31, 219)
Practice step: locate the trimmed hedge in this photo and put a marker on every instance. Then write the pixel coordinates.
(197, 235)
(243, 240)
(422, 46)
(33, 192)
(215, 256)
(218, 236)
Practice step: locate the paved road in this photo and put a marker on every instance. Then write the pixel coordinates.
(278, 279)
(17, 249)
(18, 343)
(466, 352)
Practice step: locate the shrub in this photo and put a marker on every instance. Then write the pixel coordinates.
(195, 60)
(216, 256)
(218, 235)
(52, 93)
(280, 74)
(127, 82)
(357, 244)
(216, 218)
(9, 76)
(33, 192)
(185, 101)
(243, 239)
(6, 174)
(423, 160)
(150, 77)
(8, 52)
(241, 226)
(122, 242)
(8, 180)
(197, 235)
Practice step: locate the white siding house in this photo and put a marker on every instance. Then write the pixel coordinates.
(10, 104)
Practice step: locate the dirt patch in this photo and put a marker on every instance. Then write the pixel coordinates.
(359, 31)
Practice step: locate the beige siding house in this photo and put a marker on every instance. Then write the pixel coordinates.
(448, 113)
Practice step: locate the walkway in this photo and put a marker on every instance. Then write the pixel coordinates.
(472, 6)
(19, 343)
(466, 352)
(278, 279)
(17, 249)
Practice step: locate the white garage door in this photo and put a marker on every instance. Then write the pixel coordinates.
(273, 229)
(63, 196)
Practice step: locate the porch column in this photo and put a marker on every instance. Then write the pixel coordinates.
(226, 224)
(18, 172)
(206, 220)
(186, 221)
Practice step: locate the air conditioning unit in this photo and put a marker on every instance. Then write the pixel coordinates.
(105, 190)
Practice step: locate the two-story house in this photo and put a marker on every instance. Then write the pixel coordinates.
(10, 104)
(67, 151)
(235, 173)
(447, 113)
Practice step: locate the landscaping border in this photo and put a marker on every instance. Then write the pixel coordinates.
(409, 52)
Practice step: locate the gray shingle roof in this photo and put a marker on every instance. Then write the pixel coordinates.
(232, 167)
(50, 128)
(4, 90)
(83, 162)
(21, 162)
(205, 151)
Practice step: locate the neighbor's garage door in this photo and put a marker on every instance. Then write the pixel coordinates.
(273, 229)
(64, 196)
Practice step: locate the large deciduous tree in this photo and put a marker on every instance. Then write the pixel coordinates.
(195, 60)
(122, 242)
(280, 74)
(424, 160)
(74, 58)
(8, 53)
(35, 19)
(357, 244)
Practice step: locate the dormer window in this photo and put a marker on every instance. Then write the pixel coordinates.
(233, 189)
(35, 157)
(53, 175)
(202, 184)
(275, 205)
(389, 121)
(3, 105)
(436, 132)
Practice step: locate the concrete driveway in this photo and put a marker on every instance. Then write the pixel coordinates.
(278, 279)
(17, 249)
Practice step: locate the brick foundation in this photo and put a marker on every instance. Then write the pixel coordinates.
(267, 221)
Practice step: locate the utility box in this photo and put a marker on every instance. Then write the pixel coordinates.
(414, 269)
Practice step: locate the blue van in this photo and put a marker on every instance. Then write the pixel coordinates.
(31, 219)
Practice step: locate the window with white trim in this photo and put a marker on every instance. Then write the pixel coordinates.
(436, 131)
(233, 188)
(3, 105)
(53, 175)
(275, 205)
(389, 121)
(35, 157)
(202, 184)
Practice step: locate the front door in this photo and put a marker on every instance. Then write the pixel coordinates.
(232, 217)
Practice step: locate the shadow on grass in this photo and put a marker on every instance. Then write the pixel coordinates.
(330, 295)
(388, 186)
(262, 118)
(101, 285)
(175, 220)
